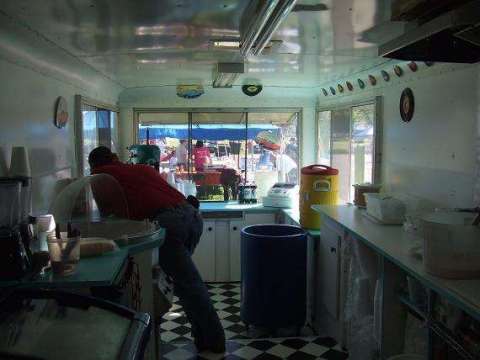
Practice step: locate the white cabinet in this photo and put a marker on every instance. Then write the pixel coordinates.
(217, 255)
(235, 241)
(222, 251)
(328, 269)
(204, 255)
(260, 218)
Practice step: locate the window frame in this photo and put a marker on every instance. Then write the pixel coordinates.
(80, 101)
(191, 111)
(378, 131)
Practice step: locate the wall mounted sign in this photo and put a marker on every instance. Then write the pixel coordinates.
(361, 84)
(61, 112)
(340, 88)
(373, 80)
(189, 91)
(413, 66)
(332, 90)
(385, 75)
(252, 90)
(398, 70)
(325, 92)
(349, 85)
(407, 105)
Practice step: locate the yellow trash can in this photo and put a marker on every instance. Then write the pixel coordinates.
(318, 185)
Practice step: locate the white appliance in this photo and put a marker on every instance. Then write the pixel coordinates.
(282, 195)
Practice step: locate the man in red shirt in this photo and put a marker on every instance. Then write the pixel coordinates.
(149, 196)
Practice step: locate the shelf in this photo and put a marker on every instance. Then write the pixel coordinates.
(438, 328)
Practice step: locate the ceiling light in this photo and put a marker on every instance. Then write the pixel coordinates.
(227, 73)
(259, 22)
(225, 44)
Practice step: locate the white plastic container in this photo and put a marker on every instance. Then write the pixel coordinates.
(451, 245)
(385, 208)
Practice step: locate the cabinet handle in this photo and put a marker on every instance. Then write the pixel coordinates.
(234, 228)
(209, 229)
(333, 250)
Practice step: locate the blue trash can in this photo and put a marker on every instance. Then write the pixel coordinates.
(274, 273)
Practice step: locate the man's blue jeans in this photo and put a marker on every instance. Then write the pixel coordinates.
(184, 227)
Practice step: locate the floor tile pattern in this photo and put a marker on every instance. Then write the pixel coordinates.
(241, 344)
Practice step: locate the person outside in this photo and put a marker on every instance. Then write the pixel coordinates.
(149, 196)
(201, 156)
(182, 155)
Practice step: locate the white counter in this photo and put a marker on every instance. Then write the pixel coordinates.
(394, 243)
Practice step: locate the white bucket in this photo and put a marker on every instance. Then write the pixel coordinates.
(451, 246)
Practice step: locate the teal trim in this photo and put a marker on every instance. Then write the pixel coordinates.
(101, 270)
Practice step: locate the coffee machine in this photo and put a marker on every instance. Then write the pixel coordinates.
(15, 227)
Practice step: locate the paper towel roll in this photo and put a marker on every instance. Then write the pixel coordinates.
(20, 164)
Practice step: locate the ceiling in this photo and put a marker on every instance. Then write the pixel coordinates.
(142, 43)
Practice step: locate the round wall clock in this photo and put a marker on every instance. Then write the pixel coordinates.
(407, 105)
(61, 112)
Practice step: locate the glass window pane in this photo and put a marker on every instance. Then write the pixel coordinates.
(114, 131)
(273, 150)
(324, 132)
(340, 128)
(218, 154)
(89, 135)
(363, 126)
(169, 131)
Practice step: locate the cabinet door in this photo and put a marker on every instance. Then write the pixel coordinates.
(222, 251)
(260, 218)
(204, 255)
(328, 265)
(235, 229)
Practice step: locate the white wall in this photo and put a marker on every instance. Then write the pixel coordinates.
(34, 73)
(433, 156)
(165, 97)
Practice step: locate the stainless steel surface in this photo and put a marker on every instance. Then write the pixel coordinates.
(165, 42)
(451, 37)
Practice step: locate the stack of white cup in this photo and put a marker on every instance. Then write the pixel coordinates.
(45, 230)
(20, 163)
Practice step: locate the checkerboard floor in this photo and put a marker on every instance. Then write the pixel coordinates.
(177, 342)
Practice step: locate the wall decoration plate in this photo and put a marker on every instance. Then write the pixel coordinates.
(340, 88)
(252, 89)
(332, 90)
(407, 105)
(372, 79)
(413, 66)
(189, 91)
(61, 112)
(361, 83)
(325, 92)
(385, 75)
(349, 86)
(398, 70)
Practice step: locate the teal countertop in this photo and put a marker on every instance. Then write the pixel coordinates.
(293, 214)
(101, 270)
(395, 244)
(234, 206)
